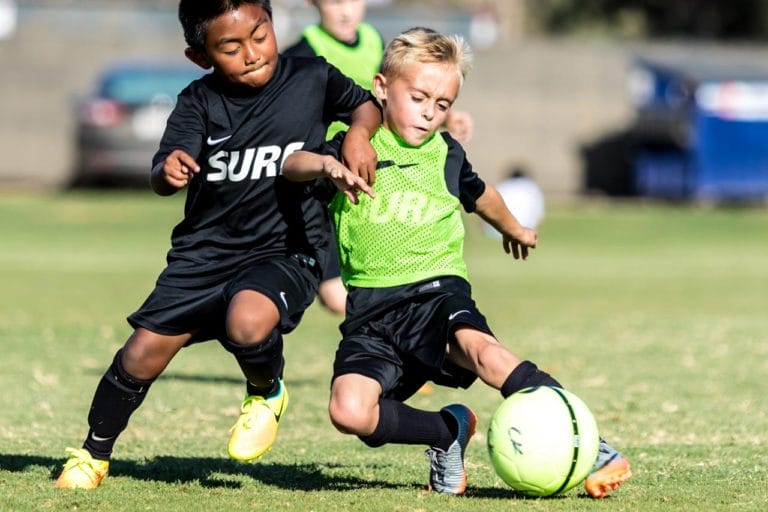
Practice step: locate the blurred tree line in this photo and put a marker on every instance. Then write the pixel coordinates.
(701, 19)
(711, 19)
(704, 19)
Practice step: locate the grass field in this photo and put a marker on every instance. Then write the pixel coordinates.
(656, 315)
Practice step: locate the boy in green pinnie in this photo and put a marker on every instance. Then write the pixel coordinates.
(410, 314)
(344, 39)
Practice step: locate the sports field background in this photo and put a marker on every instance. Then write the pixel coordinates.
(653, 314)
(538, 103)
(534, 103)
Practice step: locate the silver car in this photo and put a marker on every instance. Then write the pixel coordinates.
(119, 125)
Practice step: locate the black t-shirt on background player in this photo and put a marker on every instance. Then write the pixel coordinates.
(239, 208)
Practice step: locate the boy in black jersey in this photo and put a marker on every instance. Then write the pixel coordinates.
(410, 315)
(244, 261)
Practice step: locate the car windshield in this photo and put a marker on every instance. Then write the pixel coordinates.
(145, 86)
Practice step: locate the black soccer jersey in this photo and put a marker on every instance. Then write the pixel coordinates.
(300, 49)
(239, 208)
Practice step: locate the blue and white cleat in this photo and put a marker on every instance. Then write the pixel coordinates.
(446, 473)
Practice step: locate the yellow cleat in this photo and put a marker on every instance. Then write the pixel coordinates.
(82, 471)
(255, 430)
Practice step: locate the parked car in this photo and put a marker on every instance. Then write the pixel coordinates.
(119, 124)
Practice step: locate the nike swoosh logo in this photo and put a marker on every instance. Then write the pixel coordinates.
(279, 414)
(100, 439)
(212, 142)
(455, 314)
(391, 163)
(285, 301)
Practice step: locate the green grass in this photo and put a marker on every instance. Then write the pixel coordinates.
(655, 315)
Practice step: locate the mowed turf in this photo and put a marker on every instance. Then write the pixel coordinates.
(655, 315)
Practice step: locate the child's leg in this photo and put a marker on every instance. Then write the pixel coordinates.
(264, 301)
(499, 368)
(119, 393)
(356, 407)
(257, 344)
(124, 386)
(354, 404)
(494, 363)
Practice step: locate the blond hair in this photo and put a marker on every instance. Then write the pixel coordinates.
(426, 46)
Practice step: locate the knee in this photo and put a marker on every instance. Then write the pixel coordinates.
(350, 416)
(245, 328)
(251, 318)
(146, 354)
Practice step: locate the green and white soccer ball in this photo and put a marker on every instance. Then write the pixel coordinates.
(543, 441)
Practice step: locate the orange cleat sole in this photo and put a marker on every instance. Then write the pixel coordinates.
(608, 478)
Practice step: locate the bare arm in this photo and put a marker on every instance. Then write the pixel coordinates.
(517, 238)
(305, 165)
(356, 151)
(173, 173)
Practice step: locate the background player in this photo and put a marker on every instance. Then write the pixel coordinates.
(410, 314)
(244, 262)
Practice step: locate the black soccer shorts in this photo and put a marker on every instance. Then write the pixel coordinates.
(397, 336)
(290, 282)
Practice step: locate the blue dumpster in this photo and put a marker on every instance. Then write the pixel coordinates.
(701, 129)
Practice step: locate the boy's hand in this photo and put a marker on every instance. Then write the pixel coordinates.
(359, 156)
(178, 169)
(519, 244)
(345, 180)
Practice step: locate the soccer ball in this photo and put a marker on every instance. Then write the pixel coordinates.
(543, 441)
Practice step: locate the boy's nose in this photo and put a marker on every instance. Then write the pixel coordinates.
(250, 55)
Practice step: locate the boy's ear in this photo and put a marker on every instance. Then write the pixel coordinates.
(380, 86)
(199, 58)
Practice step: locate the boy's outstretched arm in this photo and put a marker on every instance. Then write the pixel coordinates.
(356, 151)
(173, 173)
(517, 238)
(305, 165)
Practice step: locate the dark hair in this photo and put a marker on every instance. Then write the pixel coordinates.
(194, 16)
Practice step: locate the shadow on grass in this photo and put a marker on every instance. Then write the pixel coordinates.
(495, 493)
(217, 379)
(207, 379)
(237, 379)
(223, 473)
(214, 472)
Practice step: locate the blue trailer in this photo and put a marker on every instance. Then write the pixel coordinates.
(701, 129)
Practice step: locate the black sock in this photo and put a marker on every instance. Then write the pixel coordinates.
(266, 391)
(262, 364)
(117, 396)
(402, 424)
(526, 375)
